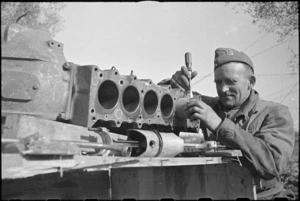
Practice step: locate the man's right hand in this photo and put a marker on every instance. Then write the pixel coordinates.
(181, 78)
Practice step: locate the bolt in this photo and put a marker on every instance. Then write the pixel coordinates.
(35, 87)
(50, 43)
(67, 66)
(62, 115)
(95, 129)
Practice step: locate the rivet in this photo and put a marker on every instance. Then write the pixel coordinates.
(66, 66)
(35, 87)
(62, 115)
(50, 43)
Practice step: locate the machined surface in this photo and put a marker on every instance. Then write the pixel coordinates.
(155, 144)
(118, 99)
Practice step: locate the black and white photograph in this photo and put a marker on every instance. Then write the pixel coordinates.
(150, 100)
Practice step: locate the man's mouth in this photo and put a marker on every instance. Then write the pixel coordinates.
(227, 96)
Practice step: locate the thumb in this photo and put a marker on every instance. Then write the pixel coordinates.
(194, 74)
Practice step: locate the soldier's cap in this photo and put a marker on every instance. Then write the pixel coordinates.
(226, 55)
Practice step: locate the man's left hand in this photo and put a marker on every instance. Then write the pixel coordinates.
(197, 109)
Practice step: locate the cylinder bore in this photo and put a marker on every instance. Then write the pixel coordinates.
(150, 102)
(108, 94)
(166, 105)
(130, 99)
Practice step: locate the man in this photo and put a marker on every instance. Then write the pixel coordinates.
(239, 119)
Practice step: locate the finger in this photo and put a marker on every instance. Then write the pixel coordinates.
(195, 116)
(175, 77)
(193, 102)
(193, 110)
(197, 102)
(185, 71)
(175, 84)
(194, 74)
(184, 82)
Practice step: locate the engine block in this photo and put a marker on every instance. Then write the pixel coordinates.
(38, 81)
(116, 100)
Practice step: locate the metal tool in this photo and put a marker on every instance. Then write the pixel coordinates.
(207, 145)
(188, 63)
(38, 144)
(159, 144)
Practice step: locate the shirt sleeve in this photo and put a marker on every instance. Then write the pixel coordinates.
(267, 150)
(164, 82)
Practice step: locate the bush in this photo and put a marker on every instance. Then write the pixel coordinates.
(290, 176)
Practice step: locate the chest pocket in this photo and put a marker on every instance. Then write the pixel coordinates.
(254, 123)
(256, 120)
(248, 124)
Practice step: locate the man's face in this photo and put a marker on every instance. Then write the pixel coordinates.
(232, 83)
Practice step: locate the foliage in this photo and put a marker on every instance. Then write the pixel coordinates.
(281, 18)
(39, 15)
(277, 17)
(290, 177)
(294, 60)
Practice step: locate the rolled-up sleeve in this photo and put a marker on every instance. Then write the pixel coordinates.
(267, 150)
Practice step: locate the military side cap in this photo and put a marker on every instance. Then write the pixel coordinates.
(226, 55)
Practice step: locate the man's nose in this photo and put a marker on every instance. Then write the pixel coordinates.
(223, 88)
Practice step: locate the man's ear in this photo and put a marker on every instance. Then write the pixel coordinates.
(252, 81)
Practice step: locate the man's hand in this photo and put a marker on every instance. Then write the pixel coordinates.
(181, 78)
(197, 109)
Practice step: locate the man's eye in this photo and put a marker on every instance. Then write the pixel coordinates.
(229, 82)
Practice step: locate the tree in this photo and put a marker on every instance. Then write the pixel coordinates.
(38, 15)
(281, 18)
(277, 17)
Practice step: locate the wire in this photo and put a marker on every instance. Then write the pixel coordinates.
(289, 92)
(283, 78)
(272, 47)
(255, 42)
(271, 74)
(280, 90)
(279, 96)
(202, 78)
(276, 92)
